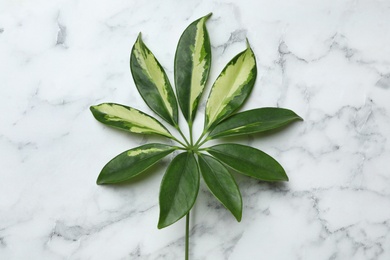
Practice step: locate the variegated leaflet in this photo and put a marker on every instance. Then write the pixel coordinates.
(180, 183)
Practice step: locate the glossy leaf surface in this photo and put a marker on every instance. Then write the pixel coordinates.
(128, 119)
(254, 121)
(133, 162)
(231, 88)
(192, 66)
(152, 82)
(222, 184)
(249, 161)
(179, 188)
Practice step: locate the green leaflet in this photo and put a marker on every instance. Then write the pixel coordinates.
(179, 188)
(128, 119)
(192, 66)
(249, 161)
(254, 121)
(222, 184)
(152, 82)
(231, 88)
(133, 162)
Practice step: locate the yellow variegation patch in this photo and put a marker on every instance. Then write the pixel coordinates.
(200, 63)
(144, 151)
(152, 70)
(229, 84)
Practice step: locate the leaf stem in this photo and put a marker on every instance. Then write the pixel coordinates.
(200, 138)
(180, 142)
(182, 148)
(201, 150)
(182, 135)
(191, 135)
(204, 141)
(187, 235)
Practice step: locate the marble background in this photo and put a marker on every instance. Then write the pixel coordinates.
(329, 61)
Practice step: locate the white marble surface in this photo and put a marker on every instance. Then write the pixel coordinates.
(329, 61)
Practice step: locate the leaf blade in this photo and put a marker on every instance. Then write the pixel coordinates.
(179, 189)
(192, 66)
(231, 88)
(221, 184)
(152, 82)
(254, 121)
(128, 119)
(249, 161)
(133, 162)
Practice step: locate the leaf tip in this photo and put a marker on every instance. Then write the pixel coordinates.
(238, 216)
(247, 43)
(249, 49)
(207, 16)
(161, 225)
(94, 110)
(99, 181)
(296, 116)
(283, 175)
(139, 39)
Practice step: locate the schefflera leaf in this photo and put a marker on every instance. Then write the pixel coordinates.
(222, 184)
(254, 121)
(249, 161)
(231, 88)
(133, 162)
(192, 66)
(128, 119)
(152, 82)
(179, 189)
